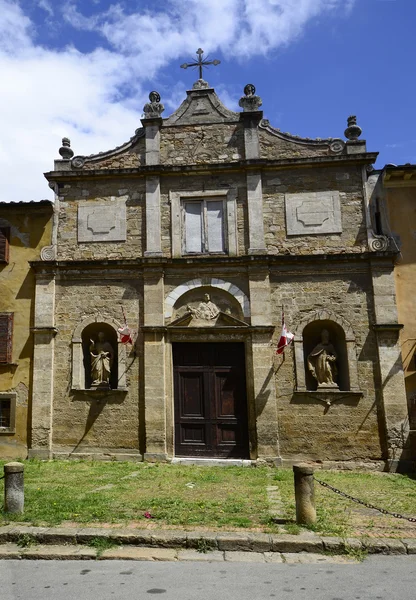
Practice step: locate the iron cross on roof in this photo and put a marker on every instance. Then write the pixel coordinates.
(201, 63)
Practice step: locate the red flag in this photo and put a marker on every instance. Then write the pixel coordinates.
(125, 334)
(286, 337)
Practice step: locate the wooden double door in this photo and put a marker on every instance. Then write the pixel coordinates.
(210, 400)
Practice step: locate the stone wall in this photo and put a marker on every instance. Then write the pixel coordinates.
(101, 193)
(131, 159)
(346, 180)
(274, 147)
(81, 419)
(324, 203)
(305, 427)
(348, 429)
(195, 144)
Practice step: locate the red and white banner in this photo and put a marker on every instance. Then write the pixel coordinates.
(286, 337)
(126, 335)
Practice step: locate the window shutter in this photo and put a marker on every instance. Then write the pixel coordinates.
(4, 244)
(6, 337)
(215, 219)
(193, 227)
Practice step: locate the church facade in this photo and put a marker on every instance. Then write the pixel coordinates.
(197, 235)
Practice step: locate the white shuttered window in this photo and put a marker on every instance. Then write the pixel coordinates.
(204, 226)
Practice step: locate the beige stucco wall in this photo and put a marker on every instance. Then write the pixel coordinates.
(401, 202)
(31, 226)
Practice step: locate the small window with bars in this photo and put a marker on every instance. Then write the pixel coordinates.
(203, 227)
(4, 244)
(5, 413)
(6, 337)
(8, 412)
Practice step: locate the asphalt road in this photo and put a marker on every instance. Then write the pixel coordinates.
(377, 578)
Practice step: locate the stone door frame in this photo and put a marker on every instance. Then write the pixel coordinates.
(159, 387)
(210, 336)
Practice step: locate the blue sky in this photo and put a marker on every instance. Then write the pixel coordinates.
(83, 69)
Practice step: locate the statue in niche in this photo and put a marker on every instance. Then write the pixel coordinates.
(102, 358)
(322, 362)
(206, 310)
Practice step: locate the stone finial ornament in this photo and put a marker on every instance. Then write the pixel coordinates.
(250, 102)
(65, 150)
(200, 84)
(154, 108)
(353, 131)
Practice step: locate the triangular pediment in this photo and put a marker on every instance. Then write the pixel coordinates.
(202, 105)
(222, 320)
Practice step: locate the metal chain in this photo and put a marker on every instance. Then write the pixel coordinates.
(367, 504)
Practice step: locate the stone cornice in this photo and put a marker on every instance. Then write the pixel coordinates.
(400, 176)
(149, 263)
(201, 330)
(99, 156)
(387, 326)
(258, 164)
(297, 139)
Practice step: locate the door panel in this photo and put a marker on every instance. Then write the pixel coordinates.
(226, 393)
(210, 400)
(192, 394)
(193, 434)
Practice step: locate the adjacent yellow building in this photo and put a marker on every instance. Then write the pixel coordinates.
(25, 228)
(399, 184)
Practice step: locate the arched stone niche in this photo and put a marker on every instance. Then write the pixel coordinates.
(210, 286)
(341, 336)
(222, 299)
(81, 360)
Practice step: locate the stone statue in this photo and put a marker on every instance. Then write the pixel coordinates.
(250, 102)
(102, 358)
(322, 362)
(154, 108)
(206, 310)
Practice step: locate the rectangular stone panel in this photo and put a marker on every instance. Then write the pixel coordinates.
(312, 213)
(102, 222)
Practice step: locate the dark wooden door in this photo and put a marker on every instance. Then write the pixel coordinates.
(210, 400)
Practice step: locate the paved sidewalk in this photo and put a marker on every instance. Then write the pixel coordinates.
(18, 541)
(61, 552)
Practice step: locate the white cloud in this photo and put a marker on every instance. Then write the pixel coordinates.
(47, 94)
(14, 27)
(46, 6)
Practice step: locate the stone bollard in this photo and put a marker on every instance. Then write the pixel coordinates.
(14, 494)
(304, 495)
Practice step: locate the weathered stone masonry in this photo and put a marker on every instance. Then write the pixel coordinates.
(290, 221)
